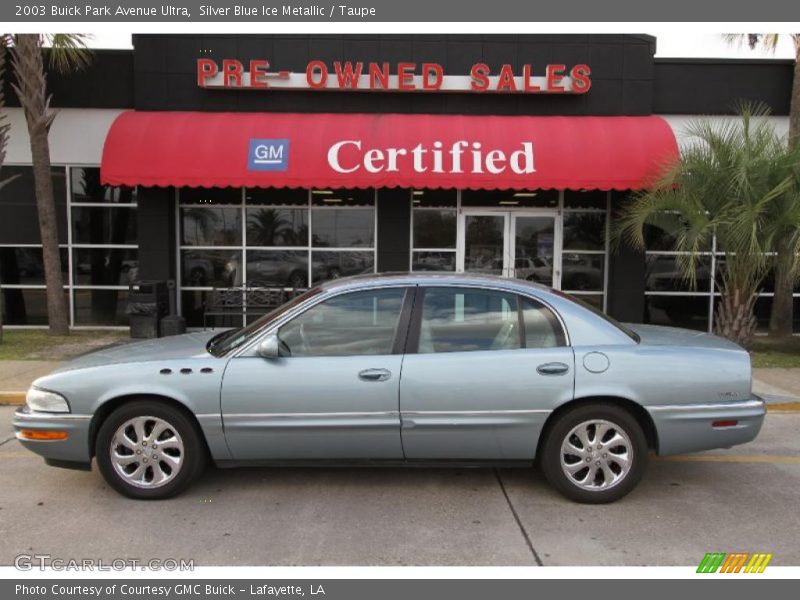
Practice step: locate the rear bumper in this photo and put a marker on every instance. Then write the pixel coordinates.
(73, 451)
(688, 428)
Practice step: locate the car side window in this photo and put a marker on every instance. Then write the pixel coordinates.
(542, 328)
(464, 319)
(358, 323)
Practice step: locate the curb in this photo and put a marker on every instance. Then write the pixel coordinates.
(18, 399)
(12, 398)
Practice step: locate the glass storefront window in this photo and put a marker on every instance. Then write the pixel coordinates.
(206, 226)
(342, 228)
(26, 306)
(277, 268)
(326, 265)
(19, 219)
(343, 197)
(276, 197)
(664, 274)
(510, 198)
(434, 198)
(687, 311)
(434, 228)
(584, 231)
(105, 266)
(100, 307)
(103, 225)
(211, 195)
(269, 226)
(582, 272)
(433, 261)
(211, 268)
(25, 266)
(586, 199)
(85, 187)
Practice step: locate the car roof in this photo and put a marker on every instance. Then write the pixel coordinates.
(437, 278)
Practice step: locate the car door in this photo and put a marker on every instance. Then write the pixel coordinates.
(483, 371)
(333, 392)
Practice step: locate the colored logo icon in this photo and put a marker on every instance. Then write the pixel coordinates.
(736, 562)
(268, 155)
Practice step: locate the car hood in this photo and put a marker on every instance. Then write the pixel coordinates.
(179, 346)
(654, 335)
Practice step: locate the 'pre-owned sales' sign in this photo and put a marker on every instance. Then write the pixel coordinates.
(399, 77)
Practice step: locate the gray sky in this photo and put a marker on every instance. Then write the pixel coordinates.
(675, 45)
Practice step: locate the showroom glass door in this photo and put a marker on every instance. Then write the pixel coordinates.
(525, 245)
(484, 243)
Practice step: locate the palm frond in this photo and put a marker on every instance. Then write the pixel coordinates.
(68, 51)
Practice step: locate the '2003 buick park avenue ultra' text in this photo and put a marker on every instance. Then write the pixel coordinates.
(400, 369)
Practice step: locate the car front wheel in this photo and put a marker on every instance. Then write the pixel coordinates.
(149, 450)
(595, 453)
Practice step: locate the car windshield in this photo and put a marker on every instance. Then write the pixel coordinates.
(228, 341)
(626, 330)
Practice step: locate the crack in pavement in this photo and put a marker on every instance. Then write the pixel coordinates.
(519, 522)
(7, 440)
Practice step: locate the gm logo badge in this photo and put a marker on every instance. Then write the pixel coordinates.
(268, 155)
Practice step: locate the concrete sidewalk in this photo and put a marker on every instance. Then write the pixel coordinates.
(776, 386)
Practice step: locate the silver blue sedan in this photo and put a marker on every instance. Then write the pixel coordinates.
(400, 369)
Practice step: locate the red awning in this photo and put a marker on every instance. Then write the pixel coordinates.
(200, 149)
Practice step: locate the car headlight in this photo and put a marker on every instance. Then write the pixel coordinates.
(44, 401)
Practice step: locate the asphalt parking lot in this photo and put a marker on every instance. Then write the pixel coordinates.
(743, 499)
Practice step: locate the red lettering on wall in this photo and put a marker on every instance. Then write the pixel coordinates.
(480, 77)
(379, 76)
(554, 74)
(206, 69)
(432, 76)
(257, 69)
(316, 74)
(580, 75)
(347, 75)
(405, 76)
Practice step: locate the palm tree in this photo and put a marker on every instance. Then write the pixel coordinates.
(67, 53)
(733, 181)
(782, 314)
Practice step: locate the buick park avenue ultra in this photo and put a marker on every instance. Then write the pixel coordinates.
(400, 369)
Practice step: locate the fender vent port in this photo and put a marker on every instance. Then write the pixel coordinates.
(165, 371)
(186, 370)
(206, 370)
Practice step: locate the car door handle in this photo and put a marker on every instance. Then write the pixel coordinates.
(374, 374)
(554, 368)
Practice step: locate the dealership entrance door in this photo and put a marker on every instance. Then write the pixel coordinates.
(520, 244)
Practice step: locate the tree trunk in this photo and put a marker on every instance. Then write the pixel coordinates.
(781, 318)
(734, 319)
(31, 89)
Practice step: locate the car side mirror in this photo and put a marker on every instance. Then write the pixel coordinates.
(270, 347)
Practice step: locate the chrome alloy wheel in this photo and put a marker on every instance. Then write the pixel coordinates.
(596, 455)
(147, 452)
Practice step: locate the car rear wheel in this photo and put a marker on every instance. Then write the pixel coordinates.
(595, 453)
(149, 450)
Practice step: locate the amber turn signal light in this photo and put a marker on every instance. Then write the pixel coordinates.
(41, 435)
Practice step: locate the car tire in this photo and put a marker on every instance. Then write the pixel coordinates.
(610, 444)
(177, 454)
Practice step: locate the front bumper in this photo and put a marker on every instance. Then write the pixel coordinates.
(73, 451)
(683, 428)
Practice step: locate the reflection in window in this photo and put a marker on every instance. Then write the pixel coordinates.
(690, 312)
(434, 228)
(100, 307)
(105, 266)
(277, 227)
(25, 307)
(463, 320)
(281, 268)
(343, 228)
(542, 329)
(103, 225)
(663, 273)
(359, 323)
(582, 272)
(24, 266)
(334, 264)
(211, 268)
(86, 187)
(584, 231)
(19, 220)
(433, 261)
(205, 226)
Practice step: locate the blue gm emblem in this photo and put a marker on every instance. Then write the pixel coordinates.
(268, 155)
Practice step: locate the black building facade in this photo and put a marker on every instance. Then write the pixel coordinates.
(266, 236)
